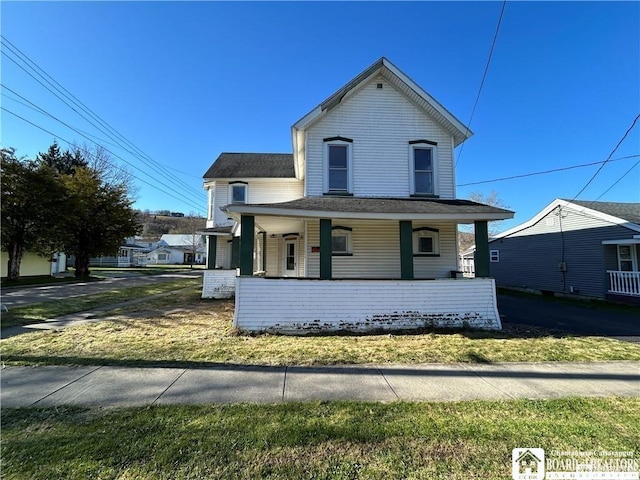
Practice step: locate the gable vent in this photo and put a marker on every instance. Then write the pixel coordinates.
(379, 85)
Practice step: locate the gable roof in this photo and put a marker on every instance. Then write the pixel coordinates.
(398, 79)
(251, 165)
(608, 211)
(179, 240)
(626, 211)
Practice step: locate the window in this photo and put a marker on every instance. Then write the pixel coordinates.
(337, 165)
(426, 241)
(494, 256)
(238, 192)
(341, 241)
(162, 256)
(211, 212)
(626, 258)
(423, 173)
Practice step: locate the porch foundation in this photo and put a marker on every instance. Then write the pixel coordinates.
(300, 306)
(219, 283)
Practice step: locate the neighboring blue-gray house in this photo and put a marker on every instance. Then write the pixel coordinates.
(573, 247)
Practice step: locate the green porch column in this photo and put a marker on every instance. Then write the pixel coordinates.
(235, 252)
(325, 248)
(212, 245)
(482, 249)
(264, 251)
(247, 236)
(406, 250)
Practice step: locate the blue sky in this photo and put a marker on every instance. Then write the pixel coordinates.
(186, 81)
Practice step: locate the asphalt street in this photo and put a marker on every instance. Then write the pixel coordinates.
(573, 317)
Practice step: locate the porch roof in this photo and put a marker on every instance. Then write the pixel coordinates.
(374, 208)
(623, 241)
(216, 231)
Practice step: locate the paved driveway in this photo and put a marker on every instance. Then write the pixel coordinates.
(12, 297)
(571, 317)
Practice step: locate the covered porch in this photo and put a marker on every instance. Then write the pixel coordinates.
(622, 262)
(360, 264)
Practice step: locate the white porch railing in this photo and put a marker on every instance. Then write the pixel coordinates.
(624, 283)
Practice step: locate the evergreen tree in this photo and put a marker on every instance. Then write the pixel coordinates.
(32, 203)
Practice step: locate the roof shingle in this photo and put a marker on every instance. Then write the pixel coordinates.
(626, 211)
(252, 165)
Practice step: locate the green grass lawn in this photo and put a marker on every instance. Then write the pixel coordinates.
(52, 309)
(184, 330)
(338, 440)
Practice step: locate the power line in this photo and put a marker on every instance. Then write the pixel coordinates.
(85, 136)
(484, 76)
(608, 158)
(28, 104)
(199, 207)
(86, 109)
(59, 88)
(544, 172)
(617, 181)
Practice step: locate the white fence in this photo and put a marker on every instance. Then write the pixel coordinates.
(110, 262)
(301, 306)
(624, 283)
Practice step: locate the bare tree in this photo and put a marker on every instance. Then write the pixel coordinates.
(466, 237)
(190, 226)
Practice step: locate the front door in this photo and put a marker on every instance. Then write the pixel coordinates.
(290, 257)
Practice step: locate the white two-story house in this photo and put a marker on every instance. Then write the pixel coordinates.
(356, 229)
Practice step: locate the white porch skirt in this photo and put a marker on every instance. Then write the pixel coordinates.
(219, 283)
(298, 306)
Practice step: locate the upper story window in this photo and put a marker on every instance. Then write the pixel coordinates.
(338, 165)
(423, 167)
(341, 243)
(238, 192)
(211, 209)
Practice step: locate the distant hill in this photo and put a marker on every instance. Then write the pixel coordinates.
(155, 225)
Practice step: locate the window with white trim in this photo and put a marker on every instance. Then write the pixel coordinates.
(337, 162)
(211, 209)
(627, 258)
(341, 241)
(238, 192)
(423, 168)
(426, 241)
(162, 256)
(494, 256)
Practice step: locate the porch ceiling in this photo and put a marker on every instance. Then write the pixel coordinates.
(279, 225)
(369, 208)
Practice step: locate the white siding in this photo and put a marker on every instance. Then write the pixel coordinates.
(376, 251)
(299, 306)
(381, 122)
(274, 259)
(223, 259)
(219, 283)
(268, 190)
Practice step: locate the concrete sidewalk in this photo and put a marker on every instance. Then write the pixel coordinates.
(125, 386)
